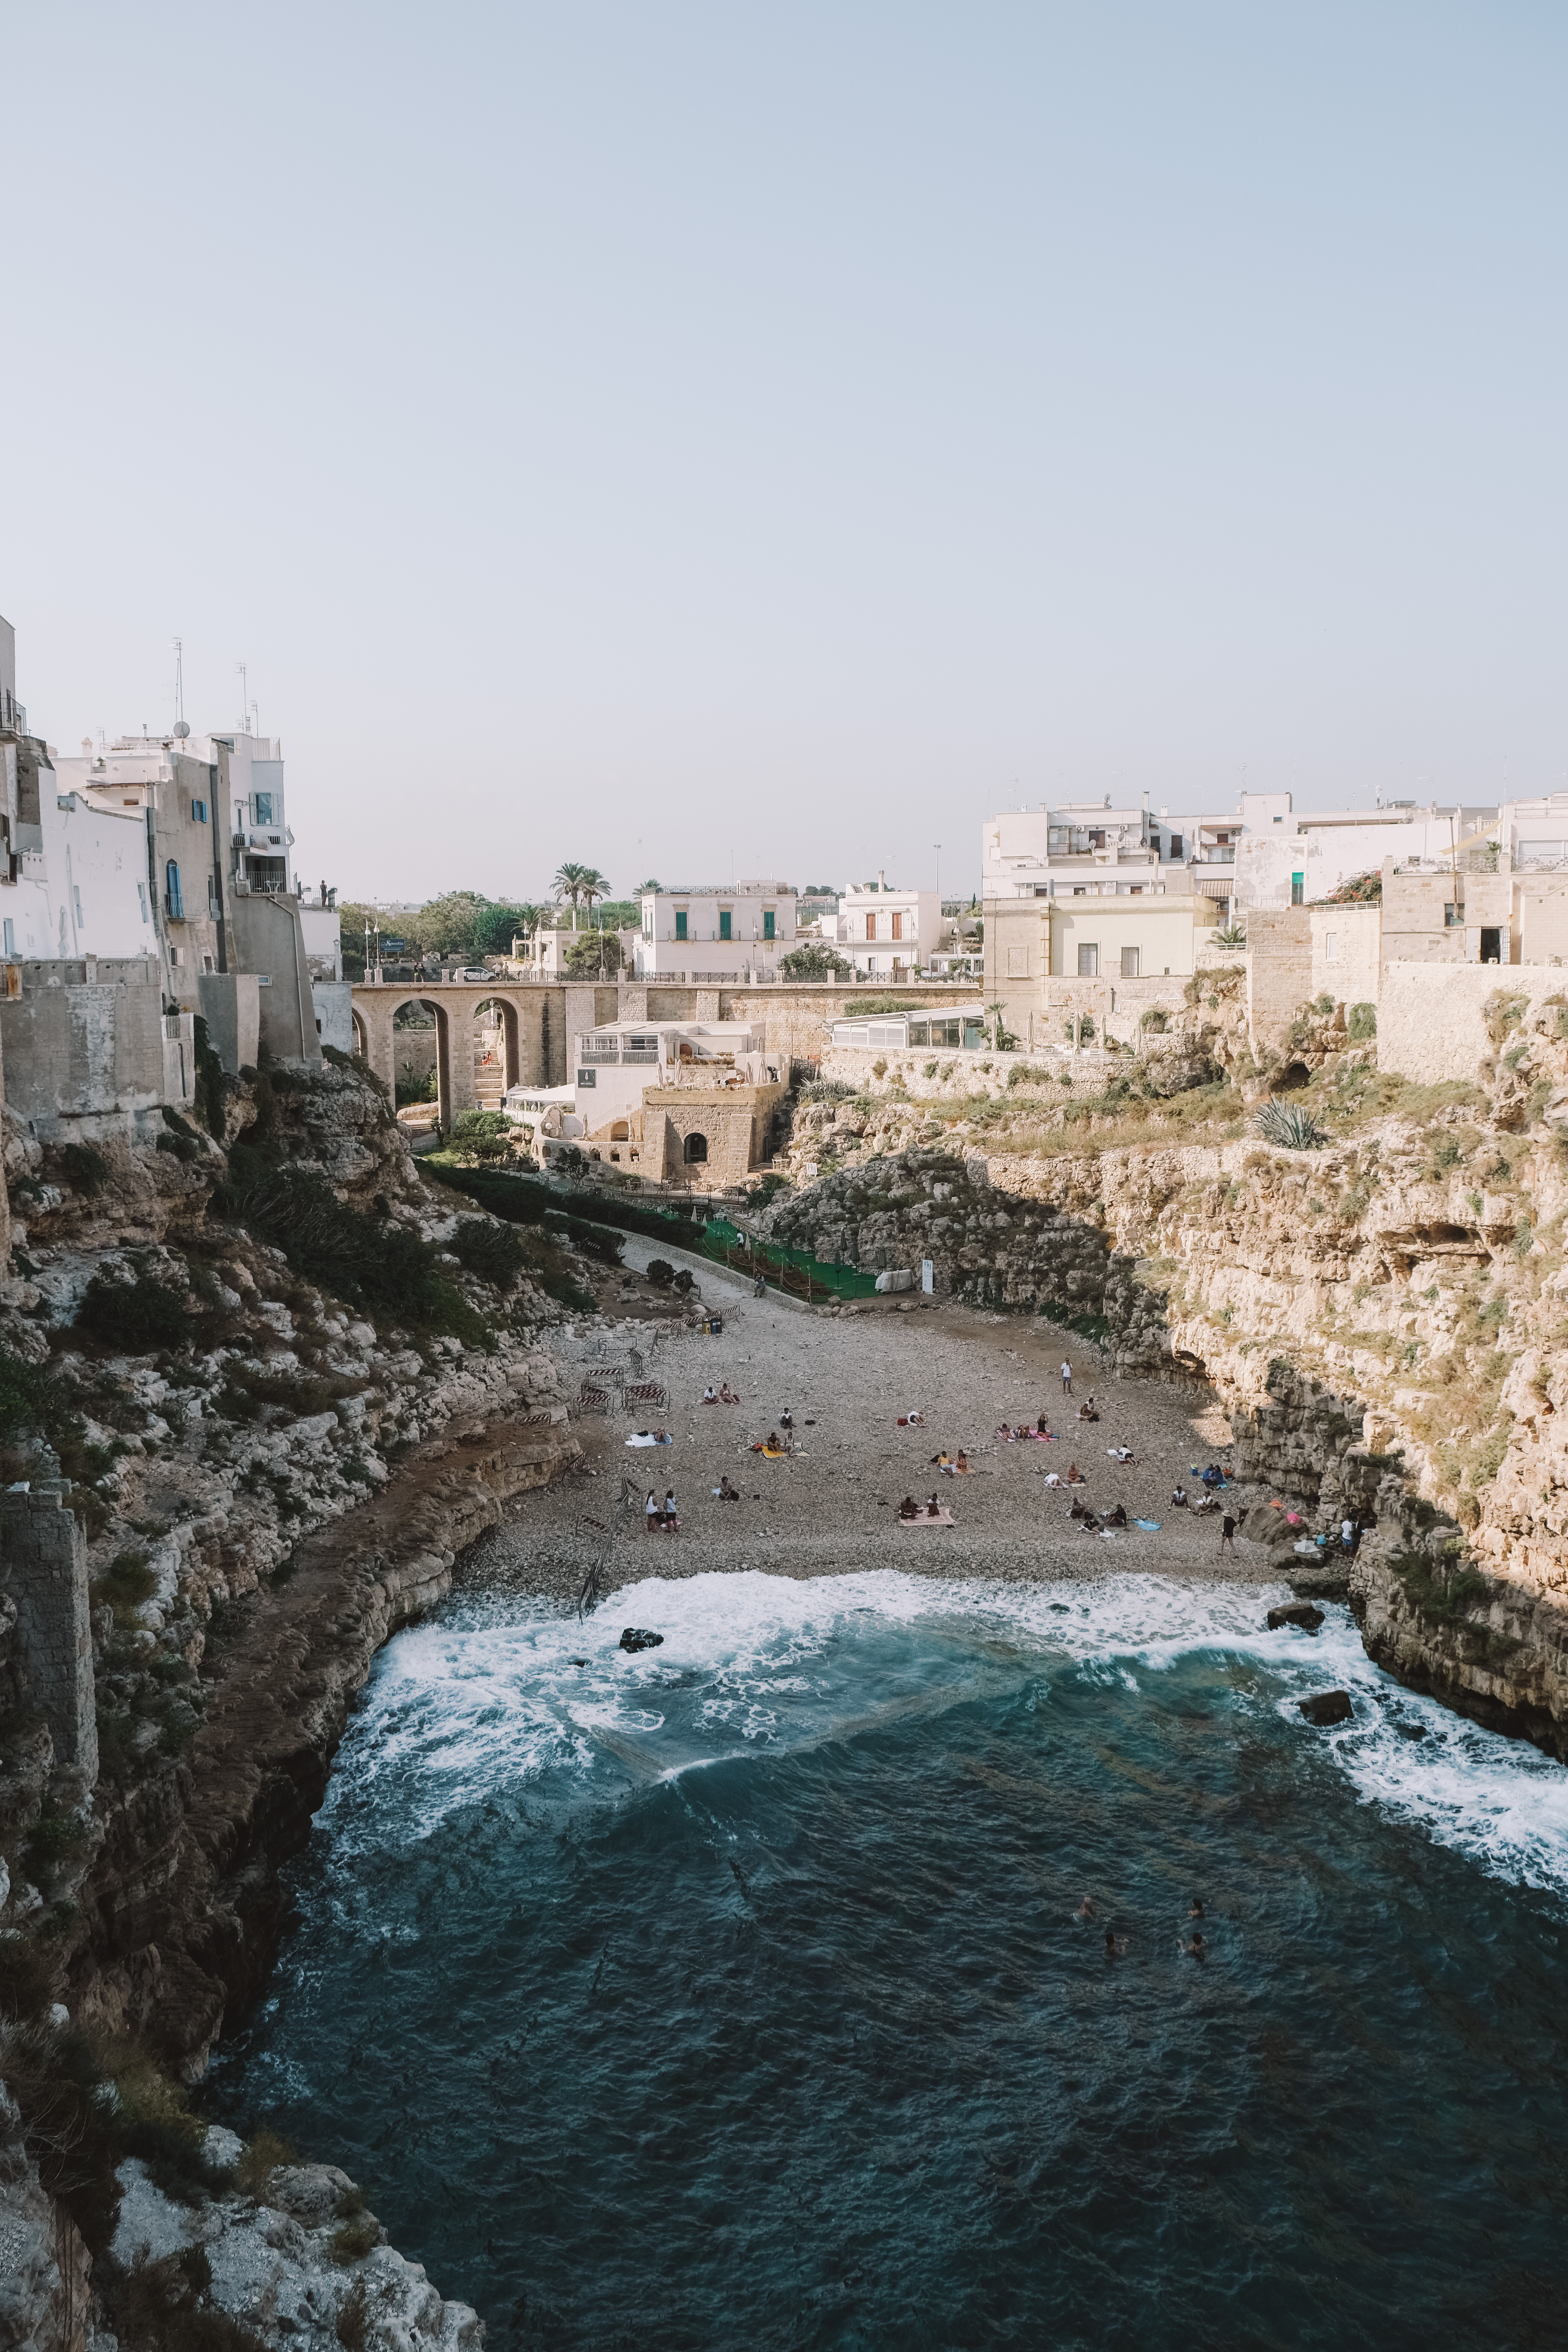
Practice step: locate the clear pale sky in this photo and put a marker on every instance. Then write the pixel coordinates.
(700, 440)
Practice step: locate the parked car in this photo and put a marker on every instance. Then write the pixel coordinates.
(476, 971)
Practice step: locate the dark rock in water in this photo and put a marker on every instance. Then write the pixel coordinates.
(1327, 1706)
(1296, 1612)
(1410, 1730)
(633, 1638)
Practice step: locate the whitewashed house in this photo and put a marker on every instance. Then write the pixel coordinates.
(887, 931)
(708, 935)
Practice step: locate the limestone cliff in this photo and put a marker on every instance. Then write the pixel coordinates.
(1383, 1313)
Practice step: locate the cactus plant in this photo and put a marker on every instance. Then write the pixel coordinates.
(1292, 1130)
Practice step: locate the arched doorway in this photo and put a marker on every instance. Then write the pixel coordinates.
(411, 1019)
(498, 1058)
(696, 1151)
(362, 1038)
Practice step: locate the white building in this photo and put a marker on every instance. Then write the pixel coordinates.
(881, 929)
(710, 935)
(615, 1063)
(1302, 856)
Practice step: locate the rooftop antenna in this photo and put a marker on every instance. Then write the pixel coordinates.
(244, 693)
(180, 729)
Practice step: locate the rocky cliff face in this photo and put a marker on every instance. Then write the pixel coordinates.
(274, 1472)
(1383, 1315)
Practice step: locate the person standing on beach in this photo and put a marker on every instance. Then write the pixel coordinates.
(1067, 1378)
(1227, 1535)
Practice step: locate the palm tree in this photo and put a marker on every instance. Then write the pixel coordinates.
(593, 884)
(569, 883)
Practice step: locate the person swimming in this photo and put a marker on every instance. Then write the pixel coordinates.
(1197, 1949)
(1085, 1909)
(1114, 1945)
(1197, 1910)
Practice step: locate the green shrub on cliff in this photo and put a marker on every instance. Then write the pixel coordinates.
(135, 1317)
(492, 1252)
(366, 1261)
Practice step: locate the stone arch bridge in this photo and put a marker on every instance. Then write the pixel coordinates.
(540, 1022)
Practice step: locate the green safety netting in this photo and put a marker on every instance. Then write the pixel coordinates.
(795, 1271)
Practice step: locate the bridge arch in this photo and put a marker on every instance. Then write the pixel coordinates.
(445, 1106)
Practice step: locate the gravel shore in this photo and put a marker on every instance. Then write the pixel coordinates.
(831, 1507)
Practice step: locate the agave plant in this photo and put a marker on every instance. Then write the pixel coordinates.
(1292, 1130)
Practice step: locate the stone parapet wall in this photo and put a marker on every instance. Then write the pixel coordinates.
(1432, 1022)
(82, 1039)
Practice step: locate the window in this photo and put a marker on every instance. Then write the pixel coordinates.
(141, 898)
(263, 805)
(768, 930)
(870, 926)
(76, 901)
(695, 1150)
(172, 880)
(1297, 891)
(1128, 963)
(1454, 918)
(1176, 845)
(10, 936)
(1088, 961)
(199, 811)
(726, 923)
(1331, 947)
(680, 924)
(898, 927)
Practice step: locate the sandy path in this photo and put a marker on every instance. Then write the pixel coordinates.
(831, 1507)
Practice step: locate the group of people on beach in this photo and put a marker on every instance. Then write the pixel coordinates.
(910, 1509)
(723, 1394)
(1194, 1947)
(661, 1518)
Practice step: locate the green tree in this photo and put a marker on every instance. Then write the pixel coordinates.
(594, 954)
(816, 961)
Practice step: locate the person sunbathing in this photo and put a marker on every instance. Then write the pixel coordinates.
(1088, 1411)
(1041, 1426)
(725, 1491)
(942, 1461)
(1116, 1517)
(961, 1465)
(727, 1394)
(934, 1509)
(770, 1444)
(1053, 1477)
(1075, 1509)
(1205, 1503)
(1004, 1433)
(917, 1420)
(1179, 1497)
(1075, 1475)
(1119, 1453)
(710, 1394)
(786, 1419)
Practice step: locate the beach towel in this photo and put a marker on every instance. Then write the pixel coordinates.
(1150, 1527)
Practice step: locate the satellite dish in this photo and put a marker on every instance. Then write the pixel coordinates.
(180, 729)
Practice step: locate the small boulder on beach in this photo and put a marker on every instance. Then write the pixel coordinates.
(1327, 1706)
(635, 1638)
(1296, 1612)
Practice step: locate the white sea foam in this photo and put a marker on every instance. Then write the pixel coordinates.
(499, 1698)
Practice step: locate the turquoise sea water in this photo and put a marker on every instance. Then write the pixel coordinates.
(732, 1993)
